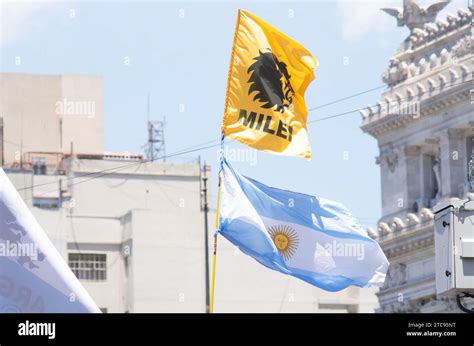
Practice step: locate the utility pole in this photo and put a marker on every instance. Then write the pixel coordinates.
(60, 194)
(206, 236)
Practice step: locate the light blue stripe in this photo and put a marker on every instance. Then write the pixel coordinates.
(251, 241)
(274, 203)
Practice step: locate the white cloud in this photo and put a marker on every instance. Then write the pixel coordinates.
(361, 17)
(15, 18)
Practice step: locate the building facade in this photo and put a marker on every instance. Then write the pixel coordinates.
(48, 114)
(423, 124)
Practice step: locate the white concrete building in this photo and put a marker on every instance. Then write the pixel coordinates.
(423, 125)
(134, 236)
(46, 113)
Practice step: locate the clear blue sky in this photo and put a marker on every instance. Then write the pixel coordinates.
(179, 53)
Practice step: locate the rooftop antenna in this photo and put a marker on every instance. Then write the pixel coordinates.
(155, 147)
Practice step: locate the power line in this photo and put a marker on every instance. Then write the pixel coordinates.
(112, 169)
(346, 98)
(200, 146)
(159, 158)
(368, 107)
(106, 172)
(309, 110)
(217, 140)
(16, 144)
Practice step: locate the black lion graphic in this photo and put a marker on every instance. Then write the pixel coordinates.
(270, 79)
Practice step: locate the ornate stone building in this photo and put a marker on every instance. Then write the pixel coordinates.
(423, 125)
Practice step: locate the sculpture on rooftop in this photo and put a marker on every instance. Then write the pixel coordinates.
(414, 16)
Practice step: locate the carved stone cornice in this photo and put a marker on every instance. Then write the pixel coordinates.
(378, 124)
(420, 52)
(407, 241)
(463, 46)
(433, 32)
(411, 291)
(400, 236)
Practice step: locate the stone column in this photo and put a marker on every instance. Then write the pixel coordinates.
(393, 180)
(413, 172)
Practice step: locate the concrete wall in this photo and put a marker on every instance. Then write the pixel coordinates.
(27, 105)
(153, 208)
(85, 125)
(48, 112)
(168, 261)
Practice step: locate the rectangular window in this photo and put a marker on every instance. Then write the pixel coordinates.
(46, 203)
(39, 165)
(89, 266)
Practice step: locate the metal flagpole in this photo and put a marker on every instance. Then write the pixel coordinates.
(206, 235)
(221, 162)
(214, 260)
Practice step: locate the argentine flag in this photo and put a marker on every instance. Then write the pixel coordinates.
(34, 278)
(313, 239)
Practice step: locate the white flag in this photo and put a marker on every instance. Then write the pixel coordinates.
(34, 278)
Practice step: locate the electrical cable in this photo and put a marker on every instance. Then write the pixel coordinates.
(198, 147)
(368, 107)
(217, 140)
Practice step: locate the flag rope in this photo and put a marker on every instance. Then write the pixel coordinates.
(214, 259)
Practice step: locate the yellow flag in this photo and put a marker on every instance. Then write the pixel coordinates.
(268, 76)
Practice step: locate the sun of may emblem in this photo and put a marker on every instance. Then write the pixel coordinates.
(285, 239)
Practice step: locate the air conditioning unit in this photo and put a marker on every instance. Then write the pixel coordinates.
(454, 247)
